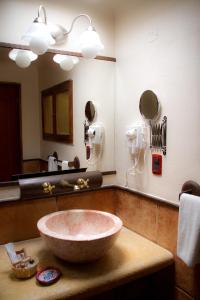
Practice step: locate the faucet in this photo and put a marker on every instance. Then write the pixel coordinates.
(47, 187)
(80, 184)
(83, 183)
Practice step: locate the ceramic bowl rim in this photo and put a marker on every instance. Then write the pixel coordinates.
(44, 230)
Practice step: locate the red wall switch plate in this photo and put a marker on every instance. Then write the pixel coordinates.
(87, 152)
(157, 164)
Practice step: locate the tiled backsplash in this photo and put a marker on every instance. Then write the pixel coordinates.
(159, 222)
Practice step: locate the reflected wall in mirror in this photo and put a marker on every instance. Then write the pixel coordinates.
(149, 105)
(43, 74)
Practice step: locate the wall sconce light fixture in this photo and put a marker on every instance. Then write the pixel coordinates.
(22, 58)
(42, 35)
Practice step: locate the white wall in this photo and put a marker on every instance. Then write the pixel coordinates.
(158, 48)
(92, 80)
(28, 79)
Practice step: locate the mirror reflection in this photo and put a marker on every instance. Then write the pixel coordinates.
(90, 111)
(23, 147)
(149, 105)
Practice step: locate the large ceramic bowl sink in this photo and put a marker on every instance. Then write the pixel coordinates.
(79, 235)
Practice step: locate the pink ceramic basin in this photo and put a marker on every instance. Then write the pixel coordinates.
(79, 235)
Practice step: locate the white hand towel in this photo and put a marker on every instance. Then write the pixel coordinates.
(188, 244)
(65, 165)
(52, 164)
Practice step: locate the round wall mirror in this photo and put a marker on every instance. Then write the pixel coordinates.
(149, 105)
(90, 111)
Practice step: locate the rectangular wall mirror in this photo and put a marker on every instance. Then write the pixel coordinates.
(93, 80)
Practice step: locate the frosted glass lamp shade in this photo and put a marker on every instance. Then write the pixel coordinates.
(39, 38)
(39, 44)
(66, 62)
(23, 58)
(90, 43)
(89, 51)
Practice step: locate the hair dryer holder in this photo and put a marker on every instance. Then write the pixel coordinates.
(158, 136)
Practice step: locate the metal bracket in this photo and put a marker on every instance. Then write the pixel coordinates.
(158, 136)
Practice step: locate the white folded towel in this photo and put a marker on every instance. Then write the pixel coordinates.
(52, 164)
(188, 244)
(65, 165)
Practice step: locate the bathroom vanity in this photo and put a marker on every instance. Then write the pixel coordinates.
(139, 264)
(132, 259)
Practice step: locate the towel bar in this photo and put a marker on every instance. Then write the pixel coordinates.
(190, 187)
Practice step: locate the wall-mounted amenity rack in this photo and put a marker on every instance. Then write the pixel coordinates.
(72, 164)
(158, 136)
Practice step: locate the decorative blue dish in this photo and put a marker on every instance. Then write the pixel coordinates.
(48, 276)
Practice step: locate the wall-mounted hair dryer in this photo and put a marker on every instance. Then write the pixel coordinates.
(95, 145)
(137, 145)
(136, 139)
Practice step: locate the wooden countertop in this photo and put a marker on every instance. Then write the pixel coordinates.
(131, 257)
(9, 193)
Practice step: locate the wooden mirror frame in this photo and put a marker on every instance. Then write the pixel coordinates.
(66, 86)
